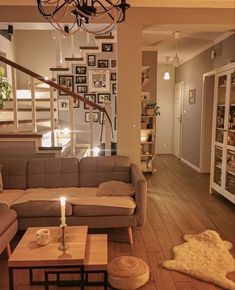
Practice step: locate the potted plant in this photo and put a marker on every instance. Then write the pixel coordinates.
(152, 109)
(5, 88)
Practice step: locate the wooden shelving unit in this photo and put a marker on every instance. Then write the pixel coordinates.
(148, 143)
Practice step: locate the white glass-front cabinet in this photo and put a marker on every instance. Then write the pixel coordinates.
(223, 136)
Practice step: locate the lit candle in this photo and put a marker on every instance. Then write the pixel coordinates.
(62, 203)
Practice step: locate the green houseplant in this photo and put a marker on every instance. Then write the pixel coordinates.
(152, 109)
(5, 88)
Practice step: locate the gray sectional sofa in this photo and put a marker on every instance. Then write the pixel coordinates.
(40, 181)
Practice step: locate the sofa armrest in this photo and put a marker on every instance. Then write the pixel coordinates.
(139, 182)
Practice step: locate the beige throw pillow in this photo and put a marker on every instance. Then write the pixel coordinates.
(115, 188)
(1, 180)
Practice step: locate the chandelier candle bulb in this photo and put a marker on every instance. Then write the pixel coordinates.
(63, 203)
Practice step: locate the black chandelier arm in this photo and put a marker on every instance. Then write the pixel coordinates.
(42, 10)
(105, 9)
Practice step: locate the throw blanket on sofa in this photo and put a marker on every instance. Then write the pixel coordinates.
(75, 195)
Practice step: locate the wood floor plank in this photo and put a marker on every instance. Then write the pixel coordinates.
(163, 278)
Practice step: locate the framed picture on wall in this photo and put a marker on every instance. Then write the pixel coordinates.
(80, 79)
(103, 63)
(66, 81)
(114, 88)
(99, 81)
(104, 98)
(113, 63)
(82, 89)
(192, 96)
(80, 70)
(76, 103)
(63, 104)
(91, 60)
(107, 47)
(113, 76)
(95, 116)
(90, 97)
(145, 75)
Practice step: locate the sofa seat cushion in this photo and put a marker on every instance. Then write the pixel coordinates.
(9, 196)
(41, 209)
(98, 210)
(7, 217)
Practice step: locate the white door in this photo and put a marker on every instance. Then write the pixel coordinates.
(179, 88)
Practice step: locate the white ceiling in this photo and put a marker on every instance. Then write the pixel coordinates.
(192, 40)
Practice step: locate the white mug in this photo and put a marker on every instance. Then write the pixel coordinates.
(43, 237)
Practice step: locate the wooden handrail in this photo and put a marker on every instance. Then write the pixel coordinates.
(52, 84)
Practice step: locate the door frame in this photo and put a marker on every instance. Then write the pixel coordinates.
(181, 83)
(203, 118)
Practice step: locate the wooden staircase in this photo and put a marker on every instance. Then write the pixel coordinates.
(32, 114)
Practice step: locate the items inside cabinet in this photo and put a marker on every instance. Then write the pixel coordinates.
(230, 176)
(147, 146)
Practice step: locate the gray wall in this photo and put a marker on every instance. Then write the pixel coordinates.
(191, 73)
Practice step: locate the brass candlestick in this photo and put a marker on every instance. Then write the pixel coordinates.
(63, 246)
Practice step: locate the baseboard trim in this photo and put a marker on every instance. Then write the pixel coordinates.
(191, 165)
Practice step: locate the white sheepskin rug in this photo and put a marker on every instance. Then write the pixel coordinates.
(204, 256)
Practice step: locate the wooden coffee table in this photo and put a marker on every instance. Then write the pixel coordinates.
(86, 254)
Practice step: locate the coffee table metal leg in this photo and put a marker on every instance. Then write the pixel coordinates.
(11, 278)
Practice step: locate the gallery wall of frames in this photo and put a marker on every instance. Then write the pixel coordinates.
(95, 79)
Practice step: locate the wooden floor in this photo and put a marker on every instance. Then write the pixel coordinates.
(178, 204)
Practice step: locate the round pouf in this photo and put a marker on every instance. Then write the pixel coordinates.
(127, 273)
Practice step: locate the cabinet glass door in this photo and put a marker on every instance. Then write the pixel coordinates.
(220, 116)
(230, 167)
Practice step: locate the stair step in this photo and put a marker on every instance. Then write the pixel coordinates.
(21, 135)
(23, 121)
(104, 37)
(28, 110)
(89, 47)
(59, 69)
(74, 58)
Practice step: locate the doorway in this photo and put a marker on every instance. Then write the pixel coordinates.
(177, 133)
(206, 122)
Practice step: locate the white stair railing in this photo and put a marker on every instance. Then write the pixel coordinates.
(33, 102)
(15, 104)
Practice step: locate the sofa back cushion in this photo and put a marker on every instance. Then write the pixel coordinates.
(53, 172)
(14, 173)
(95, 170)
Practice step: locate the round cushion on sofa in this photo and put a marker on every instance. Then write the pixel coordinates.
(127, 272)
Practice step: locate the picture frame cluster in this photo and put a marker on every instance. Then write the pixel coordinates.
(95, 79)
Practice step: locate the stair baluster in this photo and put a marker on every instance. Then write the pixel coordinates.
(33, 102)
(91, 130)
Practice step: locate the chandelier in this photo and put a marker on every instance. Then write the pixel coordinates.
(84, 13)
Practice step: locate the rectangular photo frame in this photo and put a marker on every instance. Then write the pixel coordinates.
(96, 117)
(91, 60)
(107, 47)
(81, 89)
(103, 63)
(114, 88)
(104, 97)
(80, 70)
(99, 81)
(113, 63)
(113, 76)
(66, 81)
(80, 79)
(63, 104)
(90, 97)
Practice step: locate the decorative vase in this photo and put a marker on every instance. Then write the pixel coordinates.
(149, 112)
